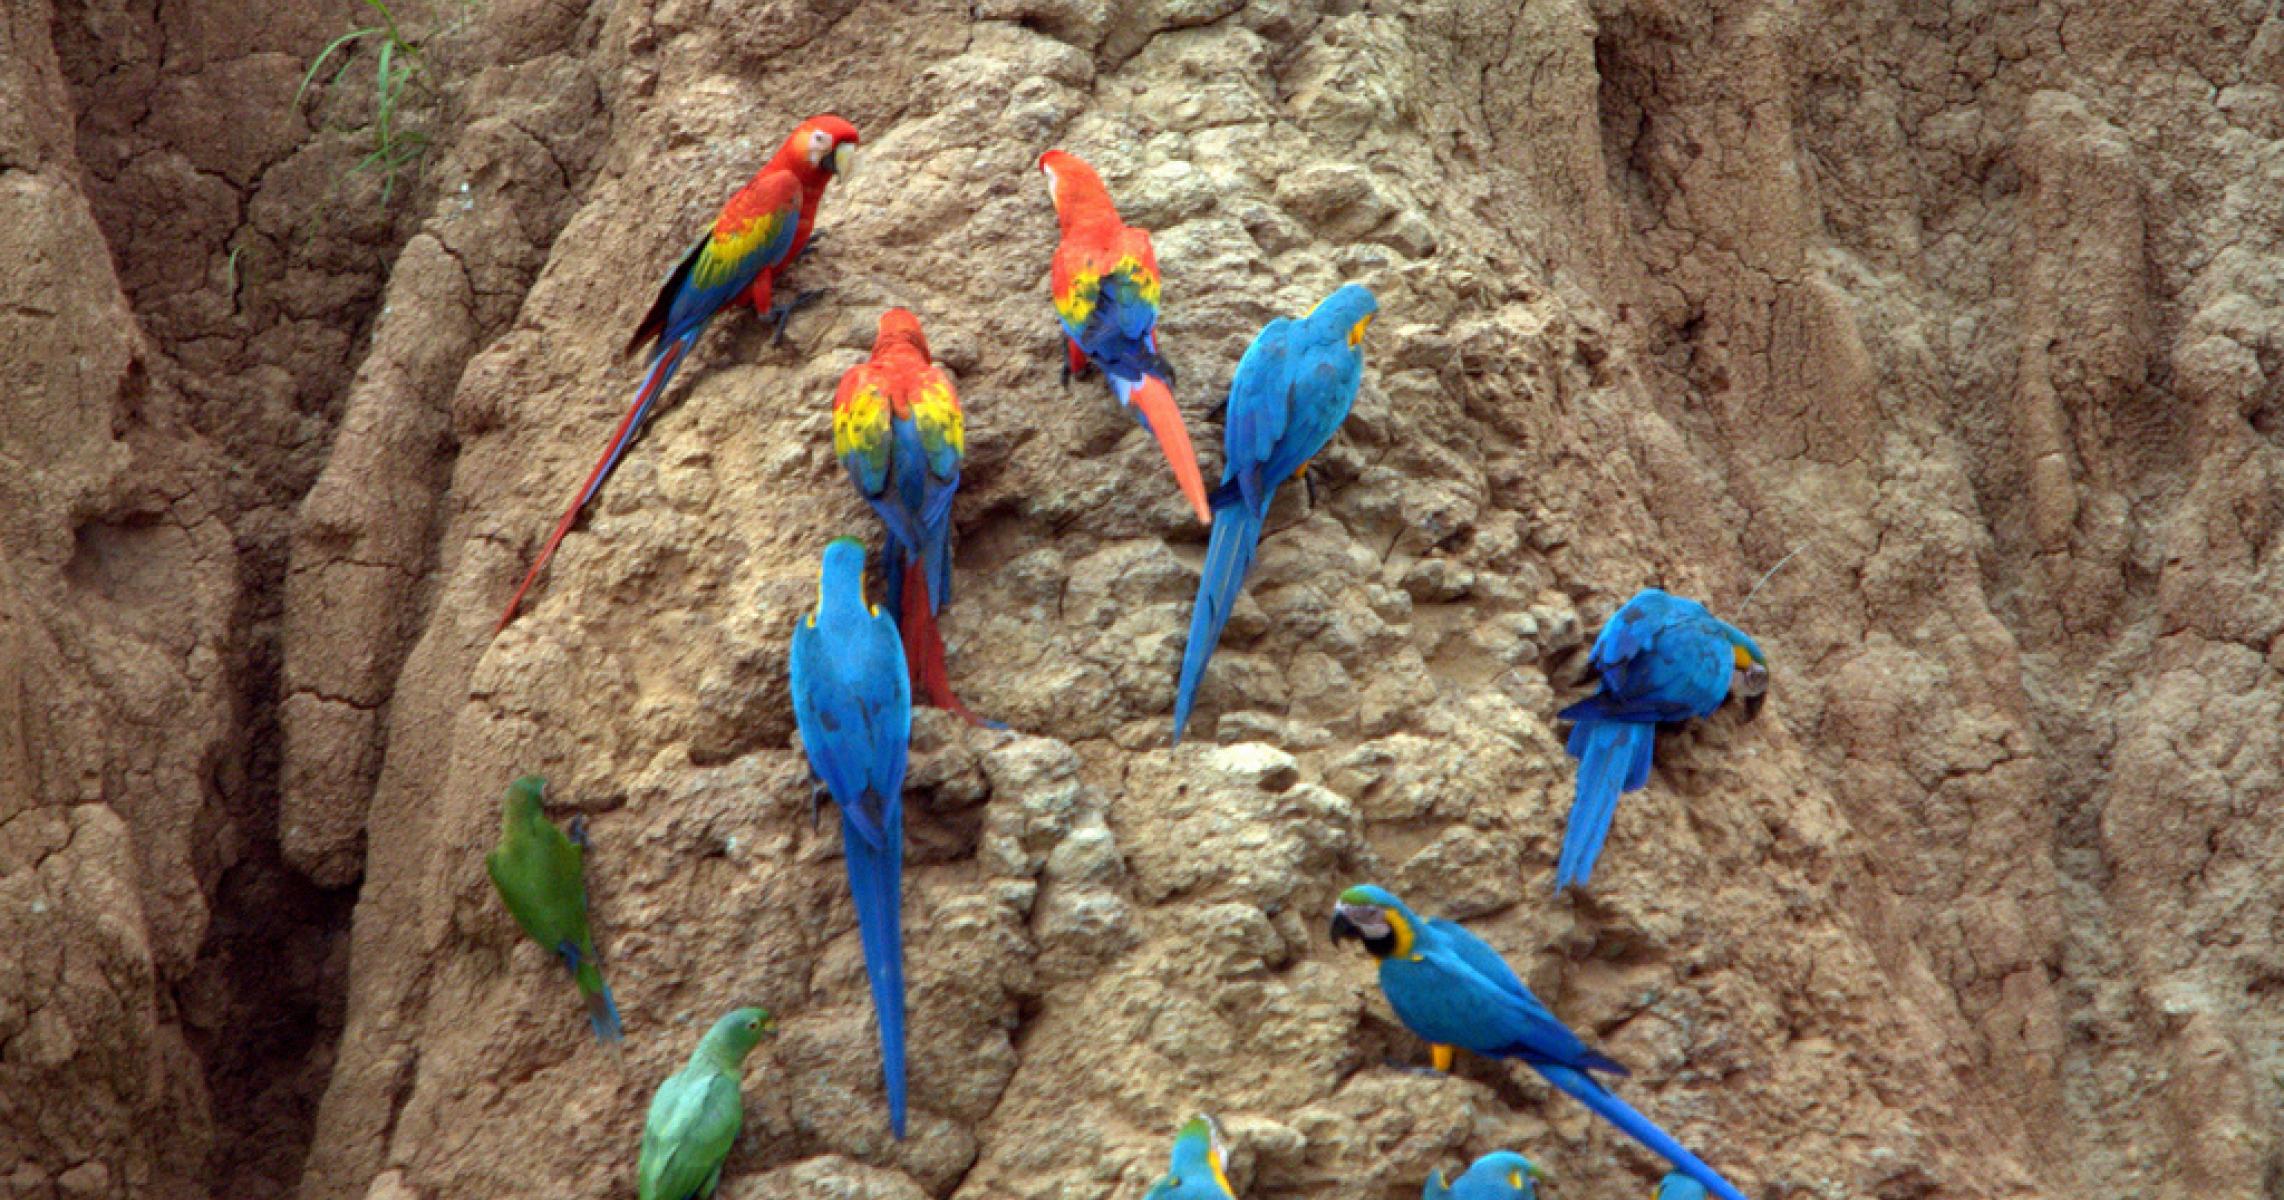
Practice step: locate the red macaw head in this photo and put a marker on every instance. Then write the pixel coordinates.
(818, 149)
(899, 327)
(1073, 186)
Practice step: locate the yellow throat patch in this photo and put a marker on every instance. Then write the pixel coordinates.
(1403, 930)
(1213, 1157)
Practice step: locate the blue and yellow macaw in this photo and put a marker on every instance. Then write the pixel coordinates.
(1679, 1187)
(1661, 658)
(1450, 987)
(1292, 389)
(853, 703)
(1195, 1172)
(1499, 1175)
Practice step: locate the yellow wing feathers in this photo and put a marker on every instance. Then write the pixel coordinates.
(936, 410)
(860, 422)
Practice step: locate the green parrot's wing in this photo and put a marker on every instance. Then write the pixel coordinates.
(567, 875)
(694, 1119)
(539, 874)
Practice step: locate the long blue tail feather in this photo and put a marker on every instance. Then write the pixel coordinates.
(1638, 1127)
(876, 883)
(1228, 556)
(1613, 757)
(603, 1015)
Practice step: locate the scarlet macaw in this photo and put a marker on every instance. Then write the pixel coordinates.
(899, 431)
(1106, 290)
(763, 227)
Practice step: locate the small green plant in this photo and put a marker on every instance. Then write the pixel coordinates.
(395, 148)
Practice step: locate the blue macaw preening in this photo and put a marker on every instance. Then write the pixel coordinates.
(1499, 1175)
(1661, 658)
(1195, 1172)
(1450, 987)
(1679, 1187)
(1293, 388)
(852, 700)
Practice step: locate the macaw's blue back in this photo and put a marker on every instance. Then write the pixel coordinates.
(852, 701)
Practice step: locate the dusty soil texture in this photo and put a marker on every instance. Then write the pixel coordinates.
(1973, 306)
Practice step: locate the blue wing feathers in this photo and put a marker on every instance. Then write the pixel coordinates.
(1478, 955)
(936, 544)
(1260, 403)
(1117, 336)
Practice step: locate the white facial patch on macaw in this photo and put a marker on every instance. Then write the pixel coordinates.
(1749, 681)
(1052, 183)
(1369, 921)
(820, 144)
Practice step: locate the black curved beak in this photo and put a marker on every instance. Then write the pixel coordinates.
(1342, 927)
(1753, 706)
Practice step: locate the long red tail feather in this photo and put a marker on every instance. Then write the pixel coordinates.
(655, 380)
(1156, 401)
(924, 648)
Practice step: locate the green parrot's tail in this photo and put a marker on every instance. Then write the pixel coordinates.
(601, 1012)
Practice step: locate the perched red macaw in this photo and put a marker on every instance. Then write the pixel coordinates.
(762, 228)
(898, 429)
(1106, 295)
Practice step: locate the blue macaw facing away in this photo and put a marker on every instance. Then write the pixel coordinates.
(853, 703)
(1450, 987)
(1499, 1175)
(1661, 658)
(1679, 1187)
(1195, 1172)
(1293, 388)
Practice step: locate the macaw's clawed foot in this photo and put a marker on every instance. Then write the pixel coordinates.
(782, 311)
(815, 237)
(578, 833)
(817, 794)
(1409, 1068)
(1308, 484)
(1442, 1056)
(1076, 365)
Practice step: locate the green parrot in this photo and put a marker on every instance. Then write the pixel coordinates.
(541, 875)
(695, 1116)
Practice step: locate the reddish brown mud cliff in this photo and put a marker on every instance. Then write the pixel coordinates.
(1973, 305)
